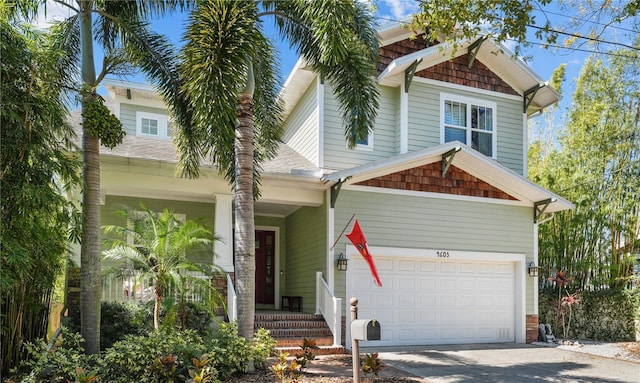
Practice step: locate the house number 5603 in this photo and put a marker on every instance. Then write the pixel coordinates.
(442, 254)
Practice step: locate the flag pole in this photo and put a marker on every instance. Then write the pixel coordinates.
(343, 230)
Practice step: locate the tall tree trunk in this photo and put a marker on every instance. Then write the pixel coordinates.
(90, 283)
(245, 263)
(157, 305)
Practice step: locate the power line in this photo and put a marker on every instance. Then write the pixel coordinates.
(547, 45)
(588, 21)
(582, 37)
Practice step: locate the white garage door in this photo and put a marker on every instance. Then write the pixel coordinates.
(436, 301)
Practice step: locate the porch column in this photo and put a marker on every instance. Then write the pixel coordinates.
(223, 227)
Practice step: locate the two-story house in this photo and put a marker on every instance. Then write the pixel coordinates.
(439, 188)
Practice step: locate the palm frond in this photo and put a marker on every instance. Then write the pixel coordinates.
(339, 40)
(221, 38)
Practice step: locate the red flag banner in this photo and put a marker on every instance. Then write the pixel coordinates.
(357, 238)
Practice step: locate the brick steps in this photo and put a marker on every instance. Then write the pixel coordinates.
(289, 329)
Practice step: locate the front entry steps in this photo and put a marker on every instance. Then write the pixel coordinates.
(289, 329)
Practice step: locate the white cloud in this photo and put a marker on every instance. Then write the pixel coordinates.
(54, 12)
(401, 9)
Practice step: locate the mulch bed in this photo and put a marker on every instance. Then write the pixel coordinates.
(331, 369)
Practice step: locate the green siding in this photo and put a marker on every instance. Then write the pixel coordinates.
(424, 122)
(423, 222)
(128, 116)
(301, 127)
(305, 251)
(424, 116)
(385, 136)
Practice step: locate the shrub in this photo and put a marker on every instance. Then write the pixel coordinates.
(263, 346)
(230, 353)
(59, 364)
(160, 356)
(604, 315)
(129, 359)
(118, 319)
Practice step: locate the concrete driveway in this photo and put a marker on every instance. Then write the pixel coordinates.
(505, 363)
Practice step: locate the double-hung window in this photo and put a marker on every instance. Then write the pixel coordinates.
(469, 121)
(151, 124)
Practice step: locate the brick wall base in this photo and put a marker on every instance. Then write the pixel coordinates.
(532, 328)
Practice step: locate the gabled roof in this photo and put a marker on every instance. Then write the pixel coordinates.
(466, 159)
(498, 58)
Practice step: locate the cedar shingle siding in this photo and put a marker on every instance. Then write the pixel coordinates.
(454, 71)
(393, 51)
(428, 178)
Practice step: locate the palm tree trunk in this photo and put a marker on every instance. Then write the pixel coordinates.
(90, 283)
(245, 265)
(157, 304)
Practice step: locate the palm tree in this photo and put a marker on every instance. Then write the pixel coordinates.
(157, 246)
(229, 78)
(121, 28)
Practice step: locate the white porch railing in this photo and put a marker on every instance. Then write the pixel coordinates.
(232, 300)
(129, 286)
(330, 307)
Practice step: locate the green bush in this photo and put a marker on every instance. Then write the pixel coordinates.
(263, 346)
(159, 356)
(118, 319)
(130, 359)
(606, 315)
(229, 351)
(57, 365)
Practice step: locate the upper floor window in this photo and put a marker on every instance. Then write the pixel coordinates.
(469, 121)
(366, 143)
(151, 124)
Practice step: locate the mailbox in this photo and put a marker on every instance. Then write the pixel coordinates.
(365, 329)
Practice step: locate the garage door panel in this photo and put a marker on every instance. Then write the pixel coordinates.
(466, 284)
(448, 284)
(427, 266)
(467, 267)
(428, 300)
(406, 284)
(447, 267)
(406, 265)
(427, 284)
(383, 265)
(436, 301)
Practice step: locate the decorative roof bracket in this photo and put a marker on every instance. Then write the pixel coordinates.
(473, 50)
(335, 190)
(540, 207)
(447, 159)
(408, 74)
(529, 94)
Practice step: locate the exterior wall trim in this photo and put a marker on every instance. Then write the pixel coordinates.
(404, 119)
(320, 99)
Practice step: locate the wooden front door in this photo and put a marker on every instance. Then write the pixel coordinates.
(265, 266)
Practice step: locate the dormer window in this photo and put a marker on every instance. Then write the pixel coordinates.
(151, 124)
(470, 121)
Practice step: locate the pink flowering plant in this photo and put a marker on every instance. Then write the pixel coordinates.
(565, 304)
